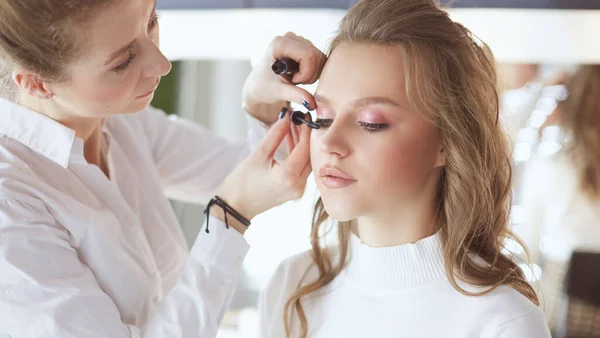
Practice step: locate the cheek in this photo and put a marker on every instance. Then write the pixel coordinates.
(109, 93)
(104, 91)
(314, 150)
(403, 161)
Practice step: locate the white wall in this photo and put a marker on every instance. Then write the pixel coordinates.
(515, 35)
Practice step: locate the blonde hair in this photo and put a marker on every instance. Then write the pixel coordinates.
(580, 115)
(450, 77)
(41, 36)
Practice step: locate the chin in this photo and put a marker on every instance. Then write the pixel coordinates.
(137, 106)
(340, 210)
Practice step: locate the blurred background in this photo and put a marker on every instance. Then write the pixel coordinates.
(539, 47)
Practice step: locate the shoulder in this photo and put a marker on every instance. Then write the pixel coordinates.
(24, 219)
(23, 173)
(292, 273)
(508, 313)
(517, 316)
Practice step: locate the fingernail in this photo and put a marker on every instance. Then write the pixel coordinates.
(283, 112)
(305, 104)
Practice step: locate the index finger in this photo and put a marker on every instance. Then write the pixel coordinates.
(300, 155)
(274, 137)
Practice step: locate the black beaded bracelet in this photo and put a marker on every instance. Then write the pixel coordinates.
(227, 209)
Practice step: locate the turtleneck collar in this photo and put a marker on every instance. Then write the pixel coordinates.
(396, 267)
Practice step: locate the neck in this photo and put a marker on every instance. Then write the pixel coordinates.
(88, 129)
(400, 223)
(396, 228)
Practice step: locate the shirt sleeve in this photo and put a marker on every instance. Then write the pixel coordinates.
(192, 161)
(46, 290)
(531, 325)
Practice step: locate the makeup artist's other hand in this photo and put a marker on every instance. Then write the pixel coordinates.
(266, 92)
(260, 183)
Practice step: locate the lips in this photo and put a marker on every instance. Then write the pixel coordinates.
(334, 178)
(147, 94)
(334, 172)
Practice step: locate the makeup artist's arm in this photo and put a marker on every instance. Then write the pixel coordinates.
(192, 161)
(260, 183)
(51, 291)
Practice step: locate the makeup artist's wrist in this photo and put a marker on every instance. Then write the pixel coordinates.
(236, 205)
(218, 213)
(266, 113)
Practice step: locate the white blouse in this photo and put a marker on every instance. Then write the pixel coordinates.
(82, 255)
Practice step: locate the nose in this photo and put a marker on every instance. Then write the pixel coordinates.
(157, 64)
(334, 141)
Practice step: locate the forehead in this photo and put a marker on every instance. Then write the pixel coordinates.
(363, 70)
(115, 25)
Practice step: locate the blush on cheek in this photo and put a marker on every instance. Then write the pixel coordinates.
(403, 164)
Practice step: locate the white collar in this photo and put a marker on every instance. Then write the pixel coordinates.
(38, 132)
(396, 267)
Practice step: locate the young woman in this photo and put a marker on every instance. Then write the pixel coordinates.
(412, 164)
(89, 244)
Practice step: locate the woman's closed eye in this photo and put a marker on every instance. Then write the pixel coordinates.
(373, 127)
(123, 66)
(153, 23)
(324, 123)
(367, 126)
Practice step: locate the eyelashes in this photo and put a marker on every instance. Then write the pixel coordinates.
(127, 62)
(153, 22)
(368, 127)
(324, 123)
(372, 127)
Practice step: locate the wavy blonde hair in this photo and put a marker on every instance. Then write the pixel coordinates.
(450, 75)
(580, 115)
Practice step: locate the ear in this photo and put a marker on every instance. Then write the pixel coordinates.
(32, 84)
(440, 159)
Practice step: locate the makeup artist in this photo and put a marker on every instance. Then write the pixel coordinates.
(89, 244)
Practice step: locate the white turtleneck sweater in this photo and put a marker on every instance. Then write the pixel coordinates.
(399, 291)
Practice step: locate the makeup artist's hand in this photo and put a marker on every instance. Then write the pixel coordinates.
(260, 183)
(265, 92)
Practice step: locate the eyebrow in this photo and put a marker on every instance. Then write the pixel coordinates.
(128, 46)
(362, 102)
(120, 52)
